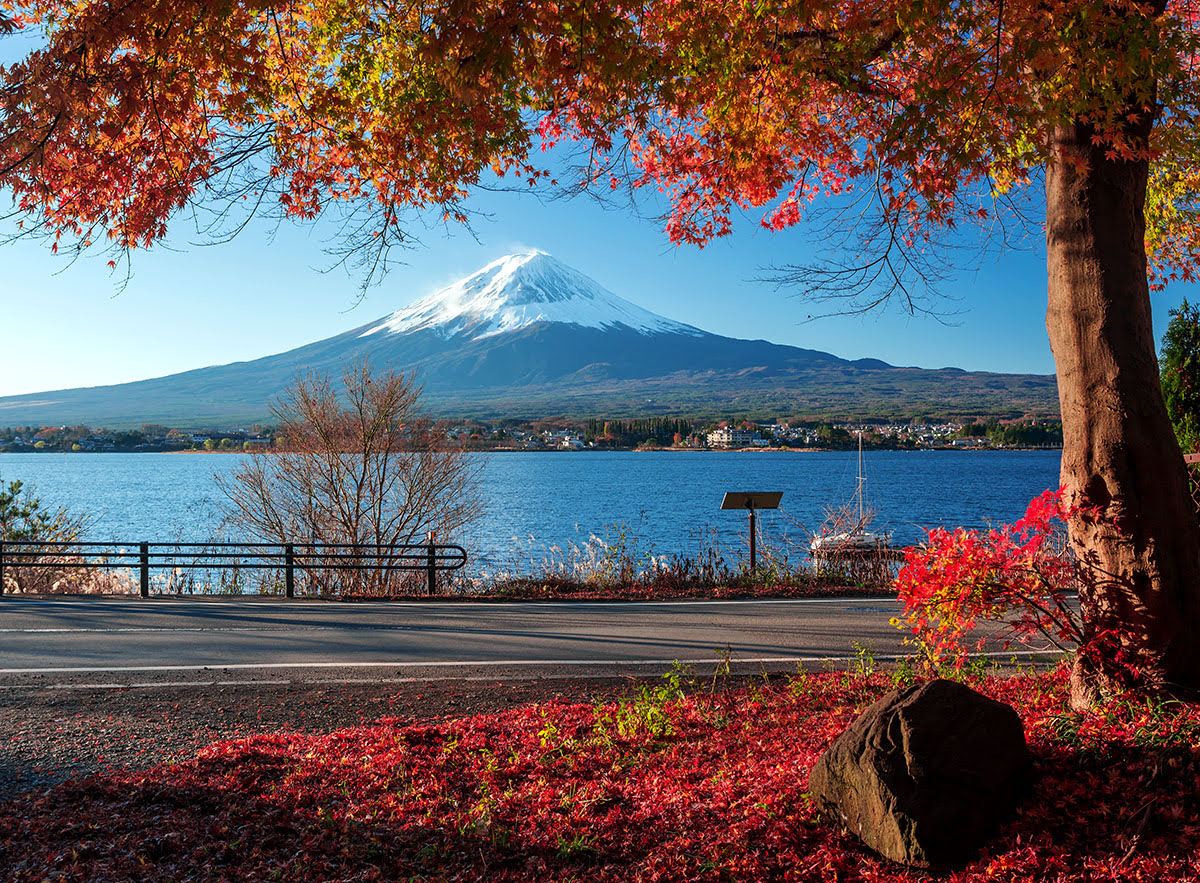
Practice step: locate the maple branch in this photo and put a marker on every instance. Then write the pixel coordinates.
(1065, 623)
(886, 273)
(37, 148)
(79, 53)
(818, 48)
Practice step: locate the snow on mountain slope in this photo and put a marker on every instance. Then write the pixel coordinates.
(527, 335)
(520, 290)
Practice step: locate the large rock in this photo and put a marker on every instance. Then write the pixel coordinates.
(926, 774)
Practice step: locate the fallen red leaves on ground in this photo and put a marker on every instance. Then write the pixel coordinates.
(667, 786)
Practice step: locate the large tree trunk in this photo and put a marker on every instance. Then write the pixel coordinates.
(1142, 606)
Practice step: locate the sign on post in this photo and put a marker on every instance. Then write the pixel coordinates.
(752, 501)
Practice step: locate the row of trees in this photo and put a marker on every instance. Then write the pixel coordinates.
(661, 431)
(1033, 434)
(85, 438)
(64, 438)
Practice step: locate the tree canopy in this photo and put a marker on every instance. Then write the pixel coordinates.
(929, 113)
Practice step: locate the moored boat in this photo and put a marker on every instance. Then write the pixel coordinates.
(848, 533)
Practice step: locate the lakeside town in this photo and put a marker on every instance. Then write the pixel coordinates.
(561, 434)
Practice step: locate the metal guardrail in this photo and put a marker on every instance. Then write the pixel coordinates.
(432, 558)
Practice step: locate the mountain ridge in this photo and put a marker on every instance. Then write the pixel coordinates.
(529, 336)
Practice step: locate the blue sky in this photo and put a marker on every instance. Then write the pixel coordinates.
(189, 305)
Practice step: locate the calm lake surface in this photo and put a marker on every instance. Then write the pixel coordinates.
(665, 501)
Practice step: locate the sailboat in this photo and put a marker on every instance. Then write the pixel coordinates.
(854, 539)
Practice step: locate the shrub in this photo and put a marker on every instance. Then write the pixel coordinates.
(24, 519)
(1022, 575)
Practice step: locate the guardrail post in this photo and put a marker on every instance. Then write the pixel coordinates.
(289, 570)
(431, 567)
(753, 545)
(144, 562)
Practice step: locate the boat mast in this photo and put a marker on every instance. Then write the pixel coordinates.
(861, 480)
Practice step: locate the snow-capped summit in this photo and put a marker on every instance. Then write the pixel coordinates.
(529, 335)
(520, 290)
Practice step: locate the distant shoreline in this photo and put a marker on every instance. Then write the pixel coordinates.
(817, 450)
(638, 450)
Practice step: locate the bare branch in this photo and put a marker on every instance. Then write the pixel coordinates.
(358, 465)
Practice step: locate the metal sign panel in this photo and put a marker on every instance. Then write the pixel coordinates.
(751, 499)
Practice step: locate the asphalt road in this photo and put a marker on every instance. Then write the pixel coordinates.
(88, 685)
(120, 639)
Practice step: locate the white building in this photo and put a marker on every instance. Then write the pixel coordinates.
(730, 437)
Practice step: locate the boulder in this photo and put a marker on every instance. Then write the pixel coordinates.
(926, 774)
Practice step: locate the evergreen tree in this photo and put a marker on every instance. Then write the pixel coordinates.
(1179, 368)
(22, 516)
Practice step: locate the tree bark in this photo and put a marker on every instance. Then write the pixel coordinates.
(1141, 605)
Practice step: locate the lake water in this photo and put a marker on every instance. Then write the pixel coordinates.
(666, 500)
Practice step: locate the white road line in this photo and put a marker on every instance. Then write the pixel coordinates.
(287, 682)
(166, 603)
(493, 663)
(365, 626)
(115, 686)
(368, 626)
(293, 628)
(92, 686)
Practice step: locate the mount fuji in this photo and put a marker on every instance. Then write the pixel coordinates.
(529, 336)
(519, 291)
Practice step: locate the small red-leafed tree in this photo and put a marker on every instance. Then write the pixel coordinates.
(923, 116)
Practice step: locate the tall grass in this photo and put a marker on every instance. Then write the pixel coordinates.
(619, 563)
